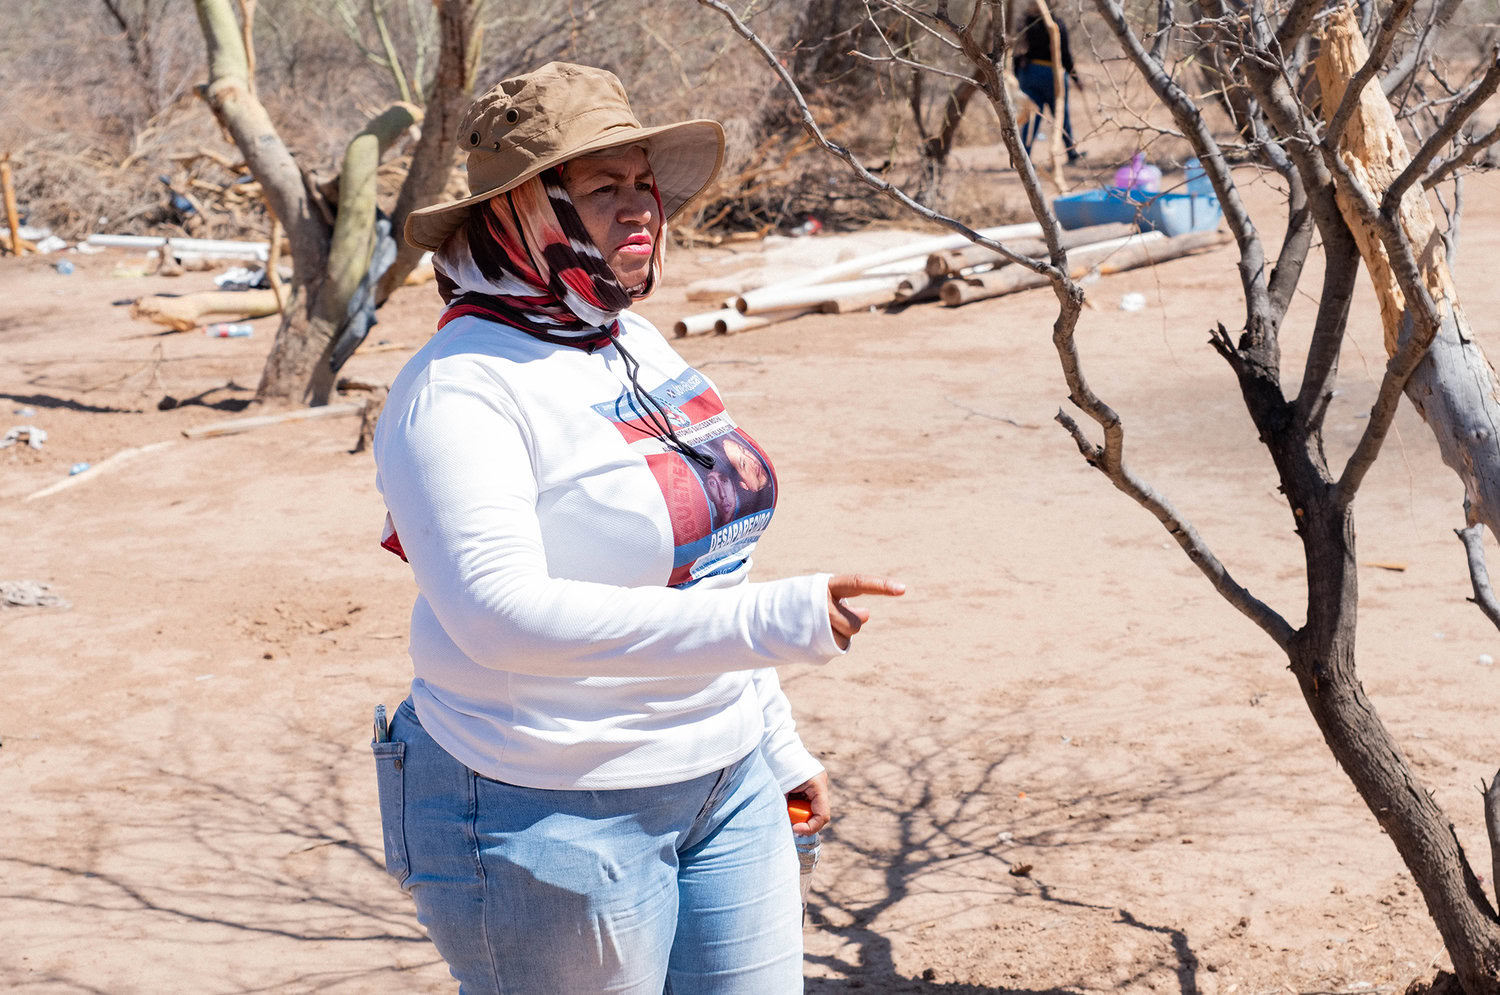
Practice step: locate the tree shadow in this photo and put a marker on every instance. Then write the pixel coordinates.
(230, 404)
(50, 401)
(209, 862)
(943, 833)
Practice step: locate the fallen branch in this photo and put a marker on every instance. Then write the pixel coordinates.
(99, 469)
(191, 310)
(238, 425)
(951, 261)
(1117, 256)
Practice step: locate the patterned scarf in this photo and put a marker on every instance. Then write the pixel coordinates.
(524, 258)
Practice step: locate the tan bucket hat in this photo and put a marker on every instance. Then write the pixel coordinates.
(525, 124)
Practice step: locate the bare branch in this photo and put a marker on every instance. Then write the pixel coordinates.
(810, 124)
(1164, 23)
(1450, 127)
(1472, 537)
(1439, 13)
(1187, 537)
(1196, 130)
(1416, 338)
(1461, 159)
(1298, 19)
(1340, 275)
(911, 64)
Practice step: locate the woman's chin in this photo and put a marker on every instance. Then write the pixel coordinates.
(632, 276)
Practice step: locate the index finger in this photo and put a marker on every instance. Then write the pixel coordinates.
(850, 585)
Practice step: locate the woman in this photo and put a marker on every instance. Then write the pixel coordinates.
(584, 791)
(1033, 66)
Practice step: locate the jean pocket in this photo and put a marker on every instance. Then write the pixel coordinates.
(390, 781)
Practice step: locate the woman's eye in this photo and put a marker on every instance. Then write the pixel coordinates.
(604, 189)
(643, 185)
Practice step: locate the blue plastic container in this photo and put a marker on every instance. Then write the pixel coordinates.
(1168, 213)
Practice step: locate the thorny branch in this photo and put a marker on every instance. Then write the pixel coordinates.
(1109, 458)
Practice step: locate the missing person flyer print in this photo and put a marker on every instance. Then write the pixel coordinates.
(719, 512)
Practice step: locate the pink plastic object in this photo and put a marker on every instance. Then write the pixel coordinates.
(1138, 174)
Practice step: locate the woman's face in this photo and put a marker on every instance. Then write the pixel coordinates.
(751, 471)
(613, 197)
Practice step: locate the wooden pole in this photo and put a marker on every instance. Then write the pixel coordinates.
(956, 260)
(12, 216)
(1145, 249)
(752, 299)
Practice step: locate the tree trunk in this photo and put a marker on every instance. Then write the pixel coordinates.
(432, 159)
(1323, 660)
(1454, 388)
(298, 369)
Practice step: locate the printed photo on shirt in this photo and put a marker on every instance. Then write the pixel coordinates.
(719, 512)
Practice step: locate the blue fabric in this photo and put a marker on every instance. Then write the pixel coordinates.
(683, 888)
(1037, 83)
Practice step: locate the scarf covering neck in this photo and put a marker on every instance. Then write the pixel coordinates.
(524, 258)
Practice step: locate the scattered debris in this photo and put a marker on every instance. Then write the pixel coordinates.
(50, 244)
(78, 468)
(1020, 870)
(65, 267)
(225, 330)
(1133, 301)
(29, 594)
(29, 434)
(951, 268)
(1387, 565)
(1485, 660)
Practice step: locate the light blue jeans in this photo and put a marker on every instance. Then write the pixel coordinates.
(684, 888)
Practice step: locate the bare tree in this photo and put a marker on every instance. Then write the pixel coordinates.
(332, 226)
(1337, 190)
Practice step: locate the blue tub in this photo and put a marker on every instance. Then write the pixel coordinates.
(1168, 213)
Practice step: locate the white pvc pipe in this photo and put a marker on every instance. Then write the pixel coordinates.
(782, 296)
(750, 301)
(732, 321)
(698, 324)
(260, 251)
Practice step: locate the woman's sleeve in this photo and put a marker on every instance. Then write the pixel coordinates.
(790, 762)
(457, 479)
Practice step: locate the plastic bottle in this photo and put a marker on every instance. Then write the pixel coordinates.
(224, 330)
(65, 267)
(1197, 179)
(808, 847)
(1138, 174)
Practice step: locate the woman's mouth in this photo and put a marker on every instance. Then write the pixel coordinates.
(636, 245)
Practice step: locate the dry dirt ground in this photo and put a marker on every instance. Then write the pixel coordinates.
(187, 788)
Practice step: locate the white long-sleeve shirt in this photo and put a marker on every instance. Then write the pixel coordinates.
(585, 618)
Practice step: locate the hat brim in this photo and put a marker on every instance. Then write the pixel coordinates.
(684, 157)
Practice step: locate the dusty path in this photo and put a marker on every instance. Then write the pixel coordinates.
(187, 789)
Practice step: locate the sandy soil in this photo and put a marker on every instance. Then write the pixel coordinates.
(188, 791)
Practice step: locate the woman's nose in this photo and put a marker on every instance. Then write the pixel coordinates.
(637, 208)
